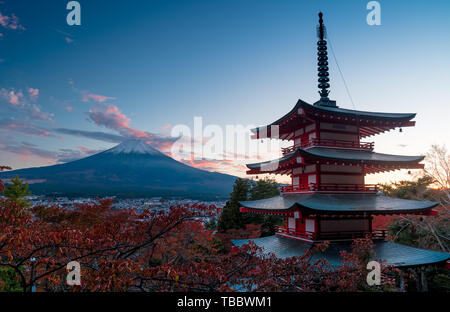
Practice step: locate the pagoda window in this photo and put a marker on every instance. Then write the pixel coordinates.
(338, 127)
(312, 179)
(291, 224)
(341, 179)
(296, 181)
(312, 136)
(345, 225)
(310, 128)
(310, 225)
(343, 169)
(339, 136)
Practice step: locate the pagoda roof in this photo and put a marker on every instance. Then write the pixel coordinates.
(346, 112)
(397, 255)
(370, 123)
(323, 203)
(332, 154)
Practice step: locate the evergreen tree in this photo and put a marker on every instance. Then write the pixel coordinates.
(231, 217)
(16, 191)
(262, 189)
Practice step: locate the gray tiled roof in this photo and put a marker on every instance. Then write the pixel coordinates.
(351, 203)
(346, 112)
(339, 154)
(394, 254)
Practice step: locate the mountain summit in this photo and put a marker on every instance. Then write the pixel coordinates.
(134, 147)
(131, 169)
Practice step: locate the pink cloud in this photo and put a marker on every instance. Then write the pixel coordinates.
(111, 117)
(27, 128)
(13, 97)
(33, 93)
(83, 149)
(36, 113)
(10, 22)
(69, 108)
(223, 166)
(68, 39)
(24, 105)
(96, 97)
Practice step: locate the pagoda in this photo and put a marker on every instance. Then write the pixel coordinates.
(328, 199)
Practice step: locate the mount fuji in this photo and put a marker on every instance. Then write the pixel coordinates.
(130, 169)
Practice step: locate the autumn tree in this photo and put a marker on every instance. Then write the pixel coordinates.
(428, 232)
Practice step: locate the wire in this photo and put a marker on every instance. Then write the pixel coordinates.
(340, 72)
(346, 87)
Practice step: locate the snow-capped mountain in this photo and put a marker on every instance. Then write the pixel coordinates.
(132, 168)
(134, 147)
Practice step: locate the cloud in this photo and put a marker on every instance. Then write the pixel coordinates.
(110, 116)
(67, 155)
(10, 22)
(96, 135)
(27, 150)
(13, 97)
(69, 108)
(33, 93)
(22, 103)
(10, 124)
(96, 97)
(68, 39)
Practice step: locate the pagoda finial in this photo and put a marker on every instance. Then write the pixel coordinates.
(322, 63)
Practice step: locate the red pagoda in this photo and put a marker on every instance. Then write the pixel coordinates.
(328, 160)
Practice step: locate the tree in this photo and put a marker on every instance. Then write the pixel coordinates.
(231, 217)
(17, 190)
(428, 232)
(126, 250)
(122, 250)
(262, 189)
(2, 186)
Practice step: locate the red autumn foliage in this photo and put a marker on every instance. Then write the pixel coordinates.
(126, 250)
(382, 222)
(123, 250)
(250, 231)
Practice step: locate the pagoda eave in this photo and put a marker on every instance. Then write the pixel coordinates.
(340, 204)
(369, 123)
(370, 161)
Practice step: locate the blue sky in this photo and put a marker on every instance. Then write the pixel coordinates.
(150, 65)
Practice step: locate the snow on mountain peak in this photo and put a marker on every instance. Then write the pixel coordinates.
(134, 147)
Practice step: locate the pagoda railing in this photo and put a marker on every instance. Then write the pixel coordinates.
(329, 187)
(375, 234)
(301, 234)
(330, 143)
